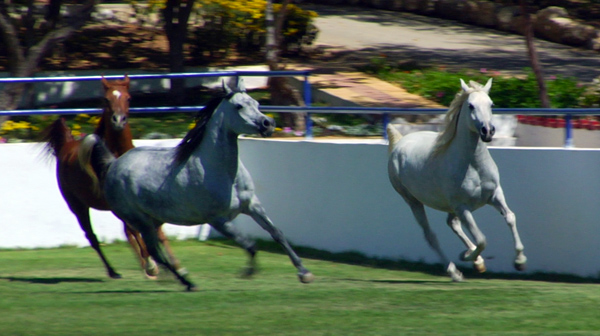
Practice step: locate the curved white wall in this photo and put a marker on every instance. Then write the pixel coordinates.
(337, 197)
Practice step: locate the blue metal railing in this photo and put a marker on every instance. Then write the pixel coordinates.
(294, 73)
(386, 112)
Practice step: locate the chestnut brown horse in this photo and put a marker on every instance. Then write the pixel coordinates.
(75, 184)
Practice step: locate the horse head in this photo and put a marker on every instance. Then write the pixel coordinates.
(479, 108)
(243, 115)
(116, 100)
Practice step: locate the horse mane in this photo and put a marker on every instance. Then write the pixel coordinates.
(445, 137)
(194, 137)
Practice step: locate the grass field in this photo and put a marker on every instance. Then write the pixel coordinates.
(65, 292)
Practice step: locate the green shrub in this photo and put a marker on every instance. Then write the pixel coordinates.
(441, 85)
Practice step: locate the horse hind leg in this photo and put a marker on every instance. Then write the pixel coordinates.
(83, 217)
(499, 203)
(231, 232)
(256, 211)
(418, 211)
(456, 226)
(139, 247)
(156, 251)
(165, 242)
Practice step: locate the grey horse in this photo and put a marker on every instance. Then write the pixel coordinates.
(202, 180)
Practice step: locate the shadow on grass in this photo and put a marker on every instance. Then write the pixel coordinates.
(51, 281)
(404, 282)
(359, 259)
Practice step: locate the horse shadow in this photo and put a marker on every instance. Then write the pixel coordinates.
(51, 281)
(435, 269)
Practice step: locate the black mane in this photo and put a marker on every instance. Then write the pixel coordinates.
(194, 137)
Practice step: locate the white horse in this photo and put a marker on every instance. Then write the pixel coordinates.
(453, 171)
(202, 180)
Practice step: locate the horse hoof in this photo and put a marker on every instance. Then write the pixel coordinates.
(248, 272)
(192, 288)
(152, 272)
(454, 273)
(479, 267)
(115, 275)
(520, 267)
(306, 277)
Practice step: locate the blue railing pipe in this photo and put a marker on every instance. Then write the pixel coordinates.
(387, 112)
(307, 102)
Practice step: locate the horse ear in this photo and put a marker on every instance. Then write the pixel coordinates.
(226, 87)
(488, 86)
(104, 83)
(241, 86)
(464, 86)
(126, 81)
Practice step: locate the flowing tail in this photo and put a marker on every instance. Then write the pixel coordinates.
(95, 158)
(56, 136)
(393, 137)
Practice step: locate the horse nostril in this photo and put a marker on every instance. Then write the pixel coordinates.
(267, 122)
(484, 131)
(119, 119)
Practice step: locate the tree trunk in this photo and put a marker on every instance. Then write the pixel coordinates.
(176, 15)
(532, 53)
(282, 93)
(23, 61)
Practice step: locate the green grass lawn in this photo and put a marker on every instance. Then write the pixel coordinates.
(66, 292)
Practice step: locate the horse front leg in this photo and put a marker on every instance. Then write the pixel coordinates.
(455, 224)
(82, 213)
(257, 212)
(465, 216)
(499, 203)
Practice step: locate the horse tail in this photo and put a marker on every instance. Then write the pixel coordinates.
(95, 159)
(393, 136)
(56, 135)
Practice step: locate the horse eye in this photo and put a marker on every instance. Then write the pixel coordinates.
(238, 106)
(471, 106)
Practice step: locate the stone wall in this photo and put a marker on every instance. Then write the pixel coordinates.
(550, 23)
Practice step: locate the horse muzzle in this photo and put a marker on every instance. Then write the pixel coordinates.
(119, 122)
(486, 133)
(266, 126)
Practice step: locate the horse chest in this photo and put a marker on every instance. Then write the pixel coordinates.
(475, 188)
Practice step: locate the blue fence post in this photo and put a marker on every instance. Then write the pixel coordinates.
(307, 99)
(568, 131)
(385, 121)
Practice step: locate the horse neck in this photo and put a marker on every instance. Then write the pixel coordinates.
(219, 147)
(118, 142)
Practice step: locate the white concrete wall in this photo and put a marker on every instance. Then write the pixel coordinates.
(337, 197)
